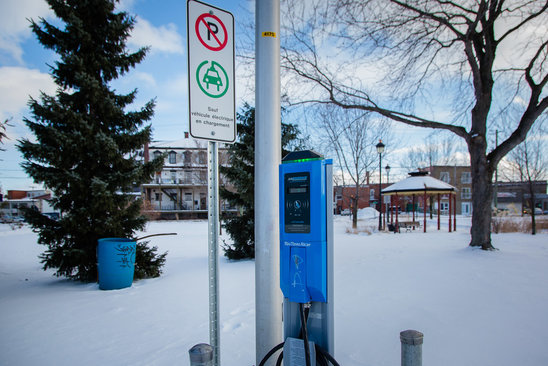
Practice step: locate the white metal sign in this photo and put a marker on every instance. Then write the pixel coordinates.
(210, 37)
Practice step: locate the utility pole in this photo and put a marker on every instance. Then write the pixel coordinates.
(268, 296)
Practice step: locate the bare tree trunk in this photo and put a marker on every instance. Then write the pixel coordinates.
(482, 192)
(355, 199)
(532, 205)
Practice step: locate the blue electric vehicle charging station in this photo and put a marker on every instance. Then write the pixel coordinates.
(306, 247)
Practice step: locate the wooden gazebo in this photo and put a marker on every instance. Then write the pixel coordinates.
(420, 184)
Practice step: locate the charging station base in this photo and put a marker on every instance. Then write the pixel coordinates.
(294, 352)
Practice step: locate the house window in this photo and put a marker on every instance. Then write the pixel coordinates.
(188, 157)
(202, 158)
(466, 178)
(172, 157)
(188, 201)
(444, 206)
(203, 176)
(372, 195)
(203, 201)
(444, 176)
(187, 177)
(156, 154)
(173, 176)
(466, 208)
(157, 196)
(465, 193)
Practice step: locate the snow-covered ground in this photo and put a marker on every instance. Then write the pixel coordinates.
(474, 308)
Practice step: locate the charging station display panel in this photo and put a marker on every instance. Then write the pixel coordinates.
(297, 203)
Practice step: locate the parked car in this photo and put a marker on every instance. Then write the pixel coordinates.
(52, 215)
(538, 211)
(345, 212)
(9, 219)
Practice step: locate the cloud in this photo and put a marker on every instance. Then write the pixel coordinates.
(14, 24)
(125, 5)
(145, 77)
(164, 38)
(17, 84)
(178, 84)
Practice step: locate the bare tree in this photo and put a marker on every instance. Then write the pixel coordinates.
(435, 151)
(529, 162)
(438, 64)
(351, 136)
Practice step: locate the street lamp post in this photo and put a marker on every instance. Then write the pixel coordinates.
(387, 168)
(380, 150)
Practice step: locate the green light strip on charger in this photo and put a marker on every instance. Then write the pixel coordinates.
(301, 160)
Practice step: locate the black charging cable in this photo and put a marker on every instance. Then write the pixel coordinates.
(304, 332)
(270, 353)
(323, 358)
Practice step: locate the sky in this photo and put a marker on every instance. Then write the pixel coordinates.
(162, 75)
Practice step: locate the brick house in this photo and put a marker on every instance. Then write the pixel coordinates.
(460, 177)
(368, 196)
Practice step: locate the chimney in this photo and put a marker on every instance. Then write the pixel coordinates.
(145, 153)
(367, 177)
(186, 135)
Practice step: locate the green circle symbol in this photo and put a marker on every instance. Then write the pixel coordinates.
(212, 78)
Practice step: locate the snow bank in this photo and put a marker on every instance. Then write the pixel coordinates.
(367, 213)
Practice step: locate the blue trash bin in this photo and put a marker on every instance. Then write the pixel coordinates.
(115, 262)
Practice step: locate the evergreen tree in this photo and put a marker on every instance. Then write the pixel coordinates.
(240, 173)
(3, 135)
(86, 143)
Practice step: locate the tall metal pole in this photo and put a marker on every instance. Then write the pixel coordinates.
(213, 245)
(268, 296)
(380, 150)
(496, 190)
(380, 187)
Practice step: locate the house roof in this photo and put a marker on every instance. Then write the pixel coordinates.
(188, 143)
(418, 183)
(185, 143)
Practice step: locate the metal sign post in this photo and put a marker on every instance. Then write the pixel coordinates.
(212, 117)
(213, 247)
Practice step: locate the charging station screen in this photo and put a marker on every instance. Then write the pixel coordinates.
(297, 202)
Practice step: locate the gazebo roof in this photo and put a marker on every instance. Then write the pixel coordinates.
(418, 183)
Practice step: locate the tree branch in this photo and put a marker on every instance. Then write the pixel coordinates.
(523, 22)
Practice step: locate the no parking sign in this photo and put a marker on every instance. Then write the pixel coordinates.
(210, 37)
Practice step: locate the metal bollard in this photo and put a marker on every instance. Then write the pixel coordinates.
(411, 347)
(201, 355)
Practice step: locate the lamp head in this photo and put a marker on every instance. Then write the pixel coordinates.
(380, 147)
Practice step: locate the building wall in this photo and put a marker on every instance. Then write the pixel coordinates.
(511, 196)
(16, 195)
(514, 197)
(368, 196)
(180, 188)
(460, 178)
